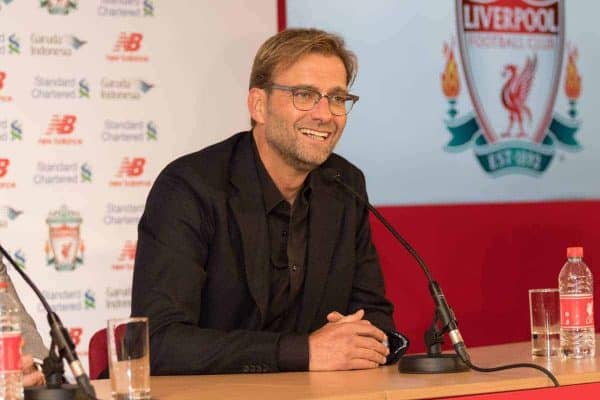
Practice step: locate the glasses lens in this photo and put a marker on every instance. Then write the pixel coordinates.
(340, 105)
(305, 100)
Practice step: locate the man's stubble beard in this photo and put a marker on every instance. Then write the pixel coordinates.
(289, 146)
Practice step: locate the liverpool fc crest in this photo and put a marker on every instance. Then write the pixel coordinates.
(64, 249)
(511, 53)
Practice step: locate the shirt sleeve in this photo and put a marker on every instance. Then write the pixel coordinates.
(293, 353)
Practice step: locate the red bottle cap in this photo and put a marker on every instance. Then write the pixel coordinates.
(574, 252)
(3, 284)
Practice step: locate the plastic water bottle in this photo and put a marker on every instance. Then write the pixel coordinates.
(11, 376)
(576, 287)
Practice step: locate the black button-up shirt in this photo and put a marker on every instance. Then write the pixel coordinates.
(288, 238)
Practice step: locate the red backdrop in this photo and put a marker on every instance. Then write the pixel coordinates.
(485, 257)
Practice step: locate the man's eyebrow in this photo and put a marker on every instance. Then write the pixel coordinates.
(308, 87)
(337, 89)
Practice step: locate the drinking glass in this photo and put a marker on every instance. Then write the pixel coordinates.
(129, 358)
(544, 314)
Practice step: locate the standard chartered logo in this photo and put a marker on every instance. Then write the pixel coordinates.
(60, 88)
(14, 44)
(123, 214)
(151, 131)
(84, 89)
(49, 173)
(86, 173)
(16, 133)
(89, 301)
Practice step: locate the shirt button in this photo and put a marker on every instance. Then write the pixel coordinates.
(293, 267)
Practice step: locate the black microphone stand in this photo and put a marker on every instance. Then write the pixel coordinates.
(61, 348)
(434, 361)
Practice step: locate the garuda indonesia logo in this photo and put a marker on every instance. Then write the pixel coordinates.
(511, 53)
(64, 249)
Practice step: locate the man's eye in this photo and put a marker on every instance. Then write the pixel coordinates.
(339, 99)
(304, 94)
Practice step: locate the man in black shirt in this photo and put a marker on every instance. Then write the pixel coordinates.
(249, 259)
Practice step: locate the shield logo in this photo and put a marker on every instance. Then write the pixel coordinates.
(511, 53)
(64, 239)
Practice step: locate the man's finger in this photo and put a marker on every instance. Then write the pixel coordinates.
(27, 364)
(369, 330)
(359, 363)
(369, 355)
(335, 316)
(33, 379)
(371, 344)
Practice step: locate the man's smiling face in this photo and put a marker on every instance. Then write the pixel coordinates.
(305, 139)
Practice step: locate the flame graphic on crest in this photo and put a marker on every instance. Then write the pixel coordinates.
(450, 77)
(572, 77)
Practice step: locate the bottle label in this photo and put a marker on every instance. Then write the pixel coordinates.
(10, 351)
(576, 311)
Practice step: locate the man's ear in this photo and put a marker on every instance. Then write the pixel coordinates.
(257, 104)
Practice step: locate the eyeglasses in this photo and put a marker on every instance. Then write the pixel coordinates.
(306, 99)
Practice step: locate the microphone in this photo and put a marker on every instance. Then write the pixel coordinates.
(433, 361)
(53, 364)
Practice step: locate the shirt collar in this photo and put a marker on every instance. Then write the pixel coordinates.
(271, 195)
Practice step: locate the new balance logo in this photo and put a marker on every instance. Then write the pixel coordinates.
(128, 251)
(5, 183)
(62, 124)
(128, 42)
(4, 163)
(132, 168)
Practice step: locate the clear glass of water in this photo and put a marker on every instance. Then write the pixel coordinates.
(544, 312)
(129, 358)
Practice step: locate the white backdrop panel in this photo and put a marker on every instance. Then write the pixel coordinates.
(193, 57)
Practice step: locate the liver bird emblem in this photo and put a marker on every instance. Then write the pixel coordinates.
(66, 250)
(515, 92)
